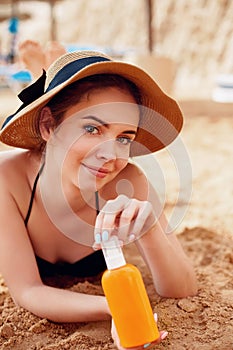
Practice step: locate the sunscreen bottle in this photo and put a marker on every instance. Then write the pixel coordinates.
(127, 298)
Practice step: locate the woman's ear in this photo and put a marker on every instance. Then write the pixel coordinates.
(46, 123)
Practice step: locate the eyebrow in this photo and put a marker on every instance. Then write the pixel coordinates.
(132, 132)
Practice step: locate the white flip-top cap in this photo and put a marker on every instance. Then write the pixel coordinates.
(113, 254)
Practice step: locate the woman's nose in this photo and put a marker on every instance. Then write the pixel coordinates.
(107, 150)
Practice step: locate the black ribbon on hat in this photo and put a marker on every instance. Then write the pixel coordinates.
(29, 94)
(36, 90)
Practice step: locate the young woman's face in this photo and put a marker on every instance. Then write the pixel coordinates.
(103, 126)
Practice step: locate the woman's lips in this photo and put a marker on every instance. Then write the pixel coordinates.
(98, 172)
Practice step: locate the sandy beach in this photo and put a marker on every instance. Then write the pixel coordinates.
(202, 322)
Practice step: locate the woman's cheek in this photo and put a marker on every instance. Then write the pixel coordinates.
(121, 164)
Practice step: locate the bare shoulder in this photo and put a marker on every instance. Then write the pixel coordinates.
(10, 156)
(17, 171)
(15, 161)
(10, 165)
(16, 168)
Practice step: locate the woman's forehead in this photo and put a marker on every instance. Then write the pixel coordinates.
(107, 113)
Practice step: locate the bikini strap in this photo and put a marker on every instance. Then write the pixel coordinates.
(33, 195)
(97, 204)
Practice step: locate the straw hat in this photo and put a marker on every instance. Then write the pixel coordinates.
(160, 123)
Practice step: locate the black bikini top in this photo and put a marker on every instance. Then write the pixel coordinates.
(89, 266)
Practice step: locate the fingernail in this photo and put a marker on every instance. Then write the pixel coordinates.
(146, 345)
(164, 335)
(156, 317)
(97, 238)
(105, 236)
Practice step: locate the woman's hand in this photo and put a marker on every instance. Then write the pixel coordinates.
(125, 217)
(163, 335)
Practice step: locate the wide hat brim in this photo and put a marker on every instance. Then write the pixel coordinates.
(160, 124)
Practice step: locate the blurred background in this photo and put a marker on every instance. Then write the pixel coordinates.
(186, 44)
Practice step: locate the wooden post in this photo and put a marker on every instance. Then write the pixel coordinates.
(149, 27)
(53, 32)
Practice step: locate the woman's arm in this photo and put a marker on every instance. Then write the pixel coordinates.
(142, 215)
(19, 269)
(61, 305)
(172, 272)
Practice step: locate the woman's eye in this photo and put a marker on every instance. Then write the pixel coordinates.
(91, 129)
(124, 140)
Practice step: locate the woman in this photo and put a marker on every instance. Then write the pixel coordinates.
(73, 185)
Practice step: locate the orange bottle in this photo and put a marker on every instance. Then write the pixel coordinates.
(127, 298)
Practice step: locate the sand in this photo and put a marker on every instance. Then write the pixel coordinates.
(203, 322)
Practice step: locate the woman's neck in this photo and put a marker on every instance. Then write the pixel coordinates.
(77, 199)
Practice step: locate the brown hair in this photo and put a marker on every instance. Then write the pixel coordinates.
(73, 93)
